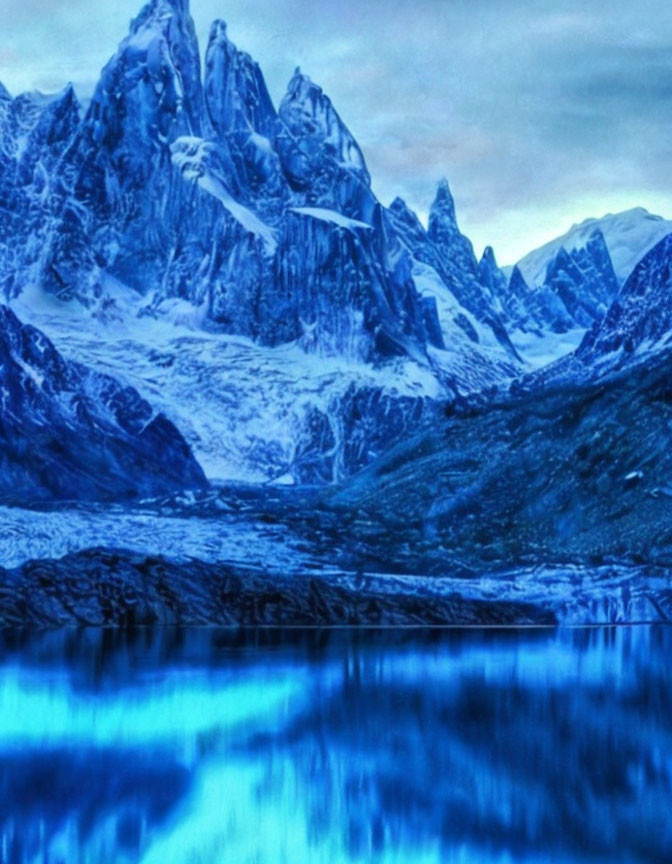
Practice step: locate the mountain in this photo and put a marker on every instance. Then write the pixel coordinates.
(640, 318)
(546, 320)
(69, 433)
(201, 191)
(450, 256)
(559, 291)
(577, 288)
(566, 470)
(491, 276)
(183, 195)
(583, 280)
(628, 236)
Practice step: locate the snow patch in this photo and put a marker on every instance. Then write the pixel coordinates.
(332, 216)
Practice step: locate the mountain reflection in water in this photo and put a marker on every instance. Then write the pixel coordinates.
(348, 746)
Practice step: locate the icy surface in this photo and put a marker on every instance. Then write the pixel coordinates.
(30, 535)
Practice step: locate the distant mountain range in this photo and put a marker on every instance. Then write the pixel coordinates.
(628, 236)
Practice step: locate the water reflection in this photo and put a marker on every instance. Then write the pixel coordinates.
(207, 746)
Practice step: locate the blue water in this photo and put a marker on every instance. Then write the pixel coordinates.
(207, 746)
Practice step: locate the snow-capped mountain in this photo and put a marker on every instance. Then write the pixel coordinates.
(628, 236)
(640, 318)
(584, 282)
(177, 197)
(576, 290)
(547, 319)
(68, 432)
(180, 189)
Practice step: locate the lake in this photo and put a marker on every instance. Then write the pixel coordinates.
(237, 746)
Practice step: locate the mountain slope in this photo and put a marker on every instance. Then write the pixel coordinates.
(575, 472)
(69, 433)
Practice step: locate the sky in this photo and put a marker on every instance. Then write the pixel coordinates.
(540, 113)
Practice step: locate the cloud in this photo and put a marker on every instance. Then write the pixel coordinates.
(540, 113)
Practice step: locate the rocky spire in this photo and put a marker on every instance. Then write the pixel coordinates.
(157, 8)
(154, 79)
(443, 231)
(149, 94)
(518, 287)
(310, 117)
(488, 259)
(491, 276)
(236, 95)
(443, 208)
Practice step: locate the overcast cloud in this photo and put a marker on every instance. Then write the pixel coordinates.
(539, 112)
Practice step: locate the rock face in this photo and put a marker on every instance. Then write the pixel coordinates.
(450, 255)
(561, 473)
(115, 588)
(69, 433)
(583, 280)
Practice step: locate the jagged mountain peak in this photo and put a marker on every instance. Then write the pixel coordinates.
(219, 31)
(489, 258)
(641, 314)
(219, 35)
(628, 235)
(400, 209)
(444, 203)
(398, 205)
(150, 91)
(63, 101)
(309, 114)
(444, 231)
(236, 96)
(517, 282)
(491, 276)
(157, 9)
